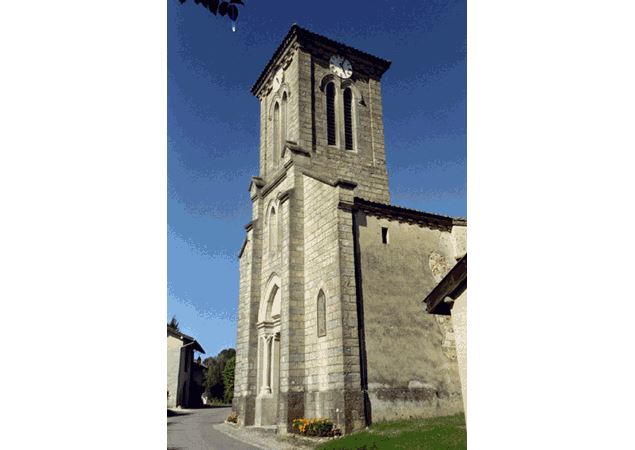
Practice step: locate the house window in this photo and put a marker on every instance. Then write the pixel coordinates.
(321, 314)
(330, 114)
(384, 235)
(348, 119)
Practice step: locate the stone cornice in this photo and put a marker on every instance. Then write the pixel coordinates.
(346, 184)
(250, 225)
(345, 206)
(316, 177)
(284, 196)
(256, 181)
(331, 182)
(242, 248)
(294, 148)
(281, 175)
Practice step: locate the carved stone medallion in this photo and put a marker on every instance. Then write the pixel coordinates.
(439, 266)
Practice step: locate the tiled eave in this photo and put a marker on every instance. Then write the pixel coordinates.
(407, 215)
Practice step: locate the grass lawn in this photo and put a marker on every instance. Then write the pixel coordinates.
(438, 433)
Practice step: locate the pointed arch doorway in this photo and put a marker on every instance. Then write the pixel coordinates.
(268, 354)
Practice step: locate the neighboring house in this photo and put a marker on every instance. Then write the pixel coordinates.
(185, 376)
(330, 322)
(197, 386)
(449, 297)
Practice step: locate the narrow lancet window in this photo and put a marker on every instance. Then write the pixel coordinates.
(321, 314)
(276, 134)
(348, 119)
(330, 114)
(273, 232)
(283, 122)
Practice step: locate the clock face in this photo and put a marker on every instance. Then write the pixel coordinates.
(341, 66)
(277, 80)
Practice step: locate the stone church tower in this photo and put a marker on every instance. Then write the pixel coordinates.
(331, 276)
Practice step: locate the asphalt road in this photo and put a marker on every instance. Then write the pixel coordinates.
(192, 430)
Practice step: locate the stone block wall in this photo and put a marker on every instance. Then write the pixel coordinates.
(292, 352)
(321, 273)
(304, 73)
(366, 165)
(331, 361)
(267, 103)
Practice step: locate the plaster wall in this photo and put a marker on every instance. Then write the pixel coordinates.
(459, 323)
(409, 373)
(459, 235)
(174, 365)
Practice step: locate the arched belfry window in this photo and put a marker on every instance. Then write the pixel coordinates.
(273, 231)
(331, 132)
(321, 314)
(348, 119)
(276, 134)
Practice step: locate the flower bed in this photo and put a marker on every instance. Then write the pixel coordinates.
(315, 427)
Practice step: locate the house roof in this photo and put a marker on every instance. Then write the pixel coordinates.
(303, 35)
(187, 339)
(407, 215)
(450, 287)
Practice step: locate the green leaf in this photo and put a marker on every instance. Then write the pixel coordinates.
(222, 8)
(232, 12)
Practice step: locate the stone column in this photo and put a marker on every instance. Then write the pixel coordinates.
(266, 363)
(272, 363)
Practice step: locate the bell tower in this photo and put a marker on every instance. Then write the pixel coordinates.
(321, 148)
(322, 99)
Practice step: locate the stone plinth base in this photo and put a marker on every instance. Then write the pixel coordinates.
(404, 403)
(245, 408)
(266, 410)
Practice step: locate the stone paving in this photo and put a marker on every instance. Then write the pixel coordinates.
(193, 429)
(266, 438)
(205, 428)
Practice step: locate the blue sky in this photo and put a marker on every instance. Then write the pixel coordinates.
(213, 129)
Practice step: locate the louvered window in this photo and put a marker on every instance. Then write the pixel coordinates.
(348, 119)
(330, 113)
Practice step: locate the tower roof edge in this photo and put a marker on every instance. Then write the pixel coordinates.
(303, 35)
